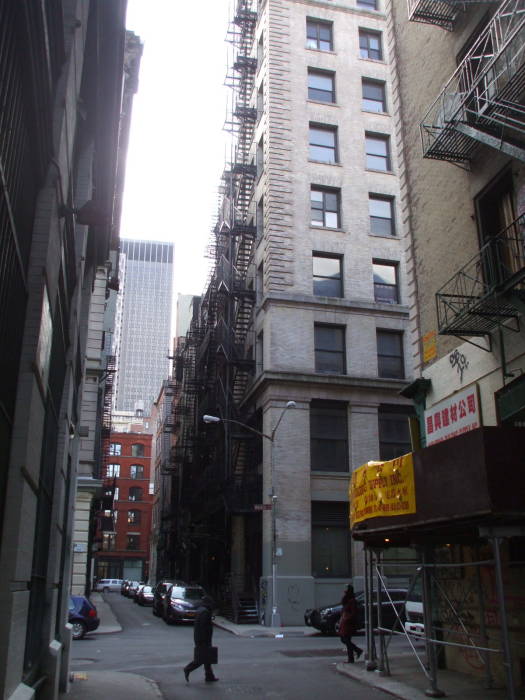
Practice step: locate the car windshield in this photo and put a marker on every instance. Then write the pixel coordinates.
(146, 589)
(187, 593)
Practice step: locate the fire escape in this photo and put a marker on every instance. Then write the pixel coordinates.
(441, 13)
(489, 290)
(103, 521)
(483, 102)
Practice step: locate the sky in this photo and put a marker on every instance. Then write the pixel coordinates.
(178, 147)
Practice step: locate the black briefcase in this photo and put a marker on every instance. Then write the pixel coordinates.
(206, 655)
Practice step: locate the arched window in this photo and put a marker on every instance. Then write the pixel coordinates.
(135, 493)
(137, 450)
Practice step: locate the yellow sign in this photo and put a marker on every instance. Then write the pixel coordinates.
(429, 346)
(382, 489)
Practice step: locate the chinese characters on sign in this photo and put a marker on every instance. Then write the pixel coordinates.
(456, 415)
(382, 489)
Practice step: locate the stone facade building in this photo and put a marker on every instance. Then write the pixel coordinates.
(61, 154)
(308, 303)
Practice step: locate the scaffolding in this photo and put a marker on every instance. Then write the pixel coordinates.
(449, 621)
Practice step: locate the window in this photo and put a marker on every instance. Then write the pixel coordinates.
(370, 45)
(328, 436)
(319, 35)
(136, 471)
(115, 448)
(390, 354)
(329, 348)
(137, 450)
(323, 143)
(324, 207)
(327, 274)
(377, 152)
(381, 211)
(109, 541)
(385, 282)
(113, 470)
(260, 101)
(330, 540)
(134, 517)
(374, 99)
(367, 4)
(321, 86)
(135, 493)
(133, 542)
(394, 431)
(260, 157)
(260, 218)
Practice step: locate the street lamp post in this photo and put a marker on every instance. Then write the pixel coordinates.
(276, 617)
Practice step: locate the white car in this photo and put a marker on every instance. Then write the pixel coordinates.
(108, 584)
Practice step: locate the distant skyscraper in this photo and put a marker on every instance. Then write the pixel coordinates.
(143, 332)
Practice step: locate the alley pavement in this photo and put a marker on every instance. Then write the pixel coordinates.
(406, 679)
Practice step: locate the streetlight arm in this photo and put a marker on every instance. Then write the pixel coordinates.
(216, 419)
(290, 404)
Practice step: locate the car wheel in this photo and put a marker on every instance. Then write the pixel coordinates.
(79, 629)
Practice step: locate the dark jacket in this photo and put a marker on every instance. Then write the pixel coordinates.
(348, 621)
(203, 627)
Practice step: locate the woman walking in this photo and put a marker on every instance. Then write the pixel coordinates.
(348, 623)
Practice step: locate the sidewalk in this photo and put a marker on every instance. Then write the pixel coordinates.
(109, 685)
(406, 681)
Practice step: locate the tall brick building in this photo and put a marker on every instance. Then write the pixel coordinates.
(123, 537)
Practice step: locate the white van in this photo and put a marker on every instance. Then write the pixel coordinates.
(108, 584)
(414, 611)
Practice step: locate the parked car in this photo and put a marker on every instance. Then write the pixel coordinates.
(108, 584)
(159, 593)
(145, 596)
(326, 619)
(133, 588)
(414, 623)
(182, 602)
(82, 615)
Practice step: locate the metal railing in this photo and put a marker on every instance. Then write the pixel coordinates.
(471, 301)
(485, 91)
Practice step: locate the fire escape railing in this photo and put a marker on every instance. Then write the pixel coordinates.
(483, 100)
(483, 293)
(441, 13)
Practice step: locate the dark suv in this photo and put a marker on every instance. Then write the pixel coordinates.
(182, 602)
(159, 592)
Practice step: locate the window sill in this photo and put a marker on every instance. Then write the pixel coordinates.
(383, 172)
(393, 237)
(324, 162)
(331, 52)
(373, 60)
(327, 228)
(372, 111)
(320, 102)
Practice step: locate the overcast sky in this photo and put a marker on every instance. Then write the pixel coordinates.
(177, 143)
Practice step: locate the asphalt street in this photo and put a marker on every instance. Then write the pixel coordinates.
(291, 668)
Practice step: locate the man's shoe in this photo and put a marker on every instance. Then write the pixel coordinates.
(187, 675)
(358, 654)
(211, 680)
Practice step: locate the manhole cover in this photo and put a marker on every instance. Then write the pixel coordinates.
(297, 653)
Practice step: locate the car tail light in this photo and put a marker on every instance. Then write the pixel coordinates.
(92, 612)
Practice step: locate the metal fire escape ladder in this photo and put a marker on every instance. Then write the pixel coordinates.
(441, 13)
(489, 291)
(483, 102)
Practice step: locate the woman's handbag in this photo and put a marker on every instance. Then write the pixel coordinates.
(206, 655)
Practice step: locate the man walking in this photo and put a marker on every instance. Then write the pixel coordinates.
(202, 634)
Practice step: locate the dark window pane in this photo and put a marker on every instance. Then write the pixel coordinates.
(390, 354)
(330, 551)
(394, 432)
(328, 437)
